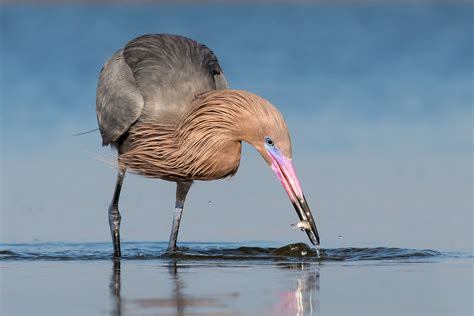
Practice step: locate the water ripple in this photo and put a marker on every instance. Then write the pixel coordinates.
(211, 251)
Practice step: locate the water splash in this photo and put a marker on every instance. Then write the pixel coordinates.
(318, 251)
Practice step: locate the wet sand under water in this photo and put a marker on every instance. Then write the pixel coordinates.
(226, 279)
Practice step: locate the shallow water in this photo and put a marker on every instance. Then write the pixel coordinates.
(231, 279)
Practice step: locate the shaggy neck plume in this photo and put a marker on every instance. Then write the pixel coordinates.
(205, 144)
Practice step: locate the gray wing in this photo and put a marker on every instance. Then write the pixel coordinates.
(154, 77)
(221, 82)
(119, 102)
(170, 71)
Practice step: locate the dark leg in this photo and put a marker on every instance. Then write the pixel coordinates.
(181, 192)
(114, 214)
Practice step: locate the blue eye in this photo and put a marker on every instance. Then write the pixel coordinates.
(269, 142)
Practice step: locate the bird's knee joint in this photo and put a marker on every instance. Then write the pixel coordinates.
(114, 215)
(113, 210)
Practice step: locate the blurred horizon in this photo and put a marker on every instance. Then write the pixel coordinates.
(377, 95)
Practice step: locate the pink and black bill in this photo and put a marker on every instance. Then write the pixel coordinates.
(285, 171)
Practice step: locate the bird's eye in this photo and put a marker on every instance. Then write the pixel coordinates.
(269, 141)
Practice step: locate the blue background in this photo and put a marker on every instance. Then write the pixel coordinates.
(378, 98)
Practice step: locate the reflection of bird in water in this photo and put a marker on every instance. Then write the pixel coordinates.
(178, 300)
(115, 288)
(162, 102)
(305, 299)
(178, 285)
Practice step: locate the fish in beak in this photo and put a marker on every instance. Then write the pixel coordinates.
(285, 171)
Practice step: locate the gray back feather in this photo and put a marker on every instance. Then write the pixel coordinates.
(155, 77)
(119, 103)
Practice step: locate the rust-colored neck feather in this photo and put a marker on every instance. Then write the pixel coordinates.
(205, 144)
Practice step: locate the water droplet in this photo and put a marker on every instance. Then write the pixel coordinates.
(318, 253)
(141, 254)
(209, 202)
(340, 236)
(303, 252)
(294, 226)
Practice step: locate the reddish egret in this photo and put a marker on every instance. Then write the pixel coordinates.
(163, 102)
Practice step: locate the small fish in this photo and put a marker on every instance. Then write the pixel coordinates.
(302, 225)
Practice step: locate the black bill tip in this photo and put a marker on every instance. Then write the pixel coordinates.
(304, 214)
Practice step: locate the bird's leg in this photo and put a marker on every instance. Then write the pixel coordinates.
(181, 192)
(114, 214)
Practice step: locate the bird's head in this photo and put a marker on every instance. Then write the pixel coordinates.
(267, 131)
(243, 116)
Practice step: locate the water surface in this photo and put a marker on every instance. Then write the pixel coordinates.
(232, 279)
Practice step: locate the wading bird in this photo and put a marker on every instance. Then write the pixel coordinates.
(163, 102)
